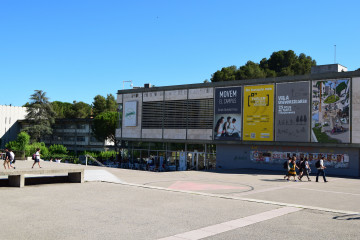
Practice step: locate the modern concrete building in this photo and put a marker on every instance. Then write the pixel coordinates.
(9, 127)
(253, 123)
(74, 134)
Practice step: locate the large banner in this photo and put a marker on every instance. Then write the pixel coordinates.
(227, 124)
(130, 114)
(292, 112)
(258, 113)
(330, 111)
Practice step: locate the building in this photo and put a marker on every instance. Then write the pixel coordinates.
(9, 127)
(74, 134)
(253, 123)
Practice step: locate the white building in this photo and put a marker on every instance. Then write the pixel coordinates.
(9, 127)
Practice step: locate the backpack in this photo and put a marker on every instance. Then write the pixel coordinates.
(317, 164)
(303, 165)
(33, 156)
(285, 165)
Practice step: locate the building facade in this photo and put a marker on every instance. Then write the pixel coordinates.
(9, 127)
(253, 123)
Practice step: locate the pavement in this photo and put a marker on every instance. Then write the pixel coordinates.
(129, 204)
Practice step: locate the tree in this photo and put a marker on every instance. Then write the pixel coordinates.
(111, 104)
(281, 63)
(80, 110)
(40, 114)
(104, 126)
(99, 105)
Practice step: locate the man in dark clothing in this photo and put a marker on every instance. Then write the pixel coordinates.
(7, 159)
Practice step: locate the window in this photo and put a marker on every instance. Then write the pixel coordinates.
(80, 139)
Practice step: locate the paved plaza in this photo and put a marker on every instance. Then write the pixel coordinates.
(129, 204)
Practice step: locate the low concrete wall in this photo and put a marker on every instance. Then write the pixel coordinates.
(238, 156)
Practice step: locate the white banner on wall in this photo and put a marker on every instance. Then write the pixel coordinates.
(130, 114)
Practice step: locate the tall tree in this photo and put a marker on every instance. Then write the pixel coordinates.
(111, 104)
(99, 105)
(104, 126)
(40, 114)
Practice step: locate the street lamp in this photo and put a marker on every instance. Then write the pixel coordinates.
(130, 81)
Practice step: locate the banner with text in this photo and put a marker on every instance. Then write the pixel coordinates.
(227, 125)
(292, 112)
(258, 113)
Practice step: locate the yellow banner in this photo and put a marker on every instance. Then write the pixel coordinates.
(258, 113)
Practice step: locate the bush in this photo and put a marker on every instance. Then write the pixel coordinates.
(57, 149)
(31, 149)
(13, 145)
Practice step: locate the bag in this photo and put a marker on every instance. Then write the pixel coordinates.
(303, 165)
(285, 165)
(317, 164)
(33, 156)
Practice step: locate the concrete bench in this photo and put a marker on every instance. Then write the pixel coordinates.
(17, 176)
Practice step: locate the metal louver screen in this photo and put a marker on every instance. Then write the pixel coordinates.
(152, 115)
(180, 114)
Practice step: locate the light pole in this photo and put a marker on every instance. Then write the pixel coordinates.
(130, 81)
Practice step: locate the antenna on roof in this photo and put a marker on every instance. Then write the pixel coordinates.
(335, 53)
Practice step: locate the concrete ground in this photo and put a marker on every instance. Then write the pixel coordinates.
(129, 204)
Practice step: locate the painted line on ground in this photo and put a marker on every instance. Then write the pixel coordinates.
(318, 190)
(231, 225)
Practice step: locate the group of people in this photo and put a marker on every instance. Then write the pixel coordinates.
(304, 169)
(9, 159)
(228, 128)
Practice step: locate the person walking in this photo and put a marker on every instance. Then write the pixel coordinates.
(7, 159)
(37, 158)
(305, 169)
(320, 169)
(12, 158)
(286, 166)
(292, 169)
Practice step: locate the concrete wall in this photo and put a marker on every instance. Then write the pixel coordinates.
(174, 133)
(9, 128)
(199, 134)
(133, 132)
(152, 133)
(176, 95)
(230, 156)
(153, 96)
(200, 93)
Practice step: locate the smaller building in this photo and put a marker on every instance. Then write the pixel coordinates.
(9, 127)
(328, 68)
(74, 134)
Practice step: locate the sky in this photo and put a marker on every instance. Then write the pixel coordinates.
(75, 50)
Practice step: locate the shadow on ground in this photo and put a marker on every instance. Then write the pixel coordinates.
(29, 181)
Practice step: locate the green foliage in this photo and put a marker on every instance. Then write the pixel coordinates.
(323, 137)
(99, 105)
(31, 149)
(12, 145)
(57, 149)
(340, 87)
(104, 126)
(111, 104)
(23, 139)
(331, 99)
(281, 63)
(71, 110)
(40, 114)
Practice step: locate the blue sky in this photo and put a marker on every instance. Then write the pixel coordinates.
(74, 50)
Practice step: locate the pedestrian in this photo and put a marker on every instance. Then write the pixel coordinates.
(286, 166)
(320, 169)
(305, 169)
(37, 158)
(292, 169)
(12, 158)
(7, 159)
(299, 164)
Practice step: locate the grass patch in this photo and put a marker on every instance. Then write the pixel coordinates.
(331, 99)
(323, 137)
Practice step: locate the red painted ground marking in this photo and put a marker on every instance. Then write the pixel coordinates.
(192, 186)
